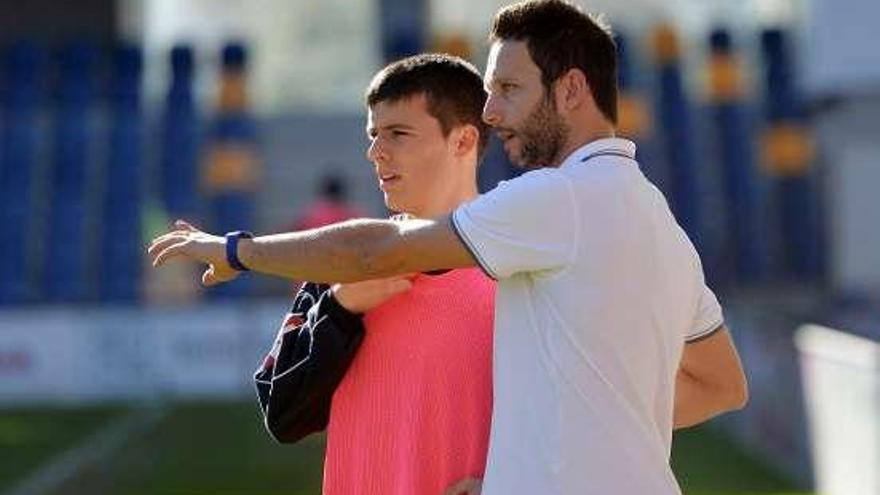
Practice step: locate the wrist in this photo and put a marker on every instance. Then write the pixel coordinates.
(235, 242)
(246, 252)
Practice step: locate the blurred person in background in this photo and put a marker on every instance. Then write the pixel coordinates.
(606, 336)
(331, 206)
(411, 414)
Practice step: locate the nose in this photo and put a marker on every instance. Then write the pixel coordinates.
(376, 151)
(491, 111)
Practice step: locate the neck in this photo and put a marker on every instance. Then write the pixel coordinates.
(462, 190)
(581, 133)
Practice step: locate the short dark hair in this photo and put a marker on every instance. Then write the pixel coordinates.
(560, 37)
(452, 87)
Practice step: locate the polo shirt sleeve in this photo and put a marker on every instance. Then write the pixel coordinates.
(525, 224)
(708, 319)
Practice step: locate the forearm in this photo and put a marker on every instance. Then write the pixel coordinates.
(696, 401)
(347, 252)
(350, 251)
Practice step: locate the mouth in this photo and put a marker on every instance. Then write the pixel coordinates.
(505, 135)
(387, 180)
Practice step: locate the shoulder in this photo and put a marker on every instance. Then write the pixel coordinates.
(547, 185)
(537, 178)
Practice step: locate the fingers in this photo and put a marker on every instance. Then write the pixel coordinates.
(158, 247)
(468, 486)
(407, 276)
(208, 278)
(387, 286)
(212, 276)
(472, 486)
(183, 224)
(164, 240)
(170, 252)
(398, 286)
(188, 240)
(183, 228)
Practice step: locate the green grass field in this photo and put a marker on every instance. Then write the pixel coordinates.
(706, 463)
(221, 449)
(30, 436)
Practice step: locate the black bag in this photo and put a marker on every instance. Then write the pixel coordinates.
(314, 348)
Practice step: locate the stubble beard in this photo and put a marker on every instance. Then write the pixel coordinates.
(542, 137)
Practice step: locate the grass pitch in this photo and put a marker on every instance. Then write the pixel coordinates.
(220, 448)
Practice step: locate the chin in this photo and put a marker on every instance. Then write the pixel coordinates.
(518, 162)
(394, 206)
(515, 157)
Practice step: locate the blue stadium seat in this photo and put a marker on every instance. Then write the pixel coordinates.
(788, 155)
(674, 117)
(21, 92)
(66, 274)
(120, 249)
(744, 237)
(178, 171)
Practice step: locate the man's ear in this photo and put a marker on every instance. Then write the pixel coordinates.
(571, 90)
(464, 138)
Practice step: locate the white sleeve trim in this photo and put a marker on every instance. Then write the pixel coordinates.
(708, 331)
(469, 244)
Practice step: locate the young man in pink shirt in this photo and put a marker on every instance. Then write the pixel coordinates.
(412, 413)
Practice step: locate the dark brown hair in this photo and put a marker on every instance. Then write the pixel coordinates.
(560, 37)
(452, 87)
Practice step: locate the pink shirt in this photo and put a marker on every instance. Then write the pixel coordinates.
(411, 416)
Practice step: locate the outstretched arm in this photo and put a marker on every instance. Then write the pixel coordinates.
(345, 252)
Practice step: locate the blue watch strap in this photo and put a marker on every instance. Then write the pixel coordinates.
(232, 239)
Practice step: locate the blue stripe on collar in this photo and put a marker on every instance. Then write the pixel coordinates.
(621, 154)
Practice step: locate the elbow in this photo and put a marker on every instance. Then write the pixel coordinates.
(737, 395)
(740, 389)
(374, 259)
(354, 251)
(741, 396)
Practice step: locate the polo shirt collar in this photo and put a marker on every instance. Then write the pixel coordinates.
(612, 145)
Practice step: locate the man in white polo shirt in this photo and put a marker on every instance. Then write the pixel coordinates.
(606, 335)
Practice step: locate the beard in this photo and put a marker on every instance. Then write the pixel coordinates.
(542, 136)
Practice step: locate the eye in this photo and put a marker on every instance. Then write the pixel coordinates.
(399, 133)
(507, 87)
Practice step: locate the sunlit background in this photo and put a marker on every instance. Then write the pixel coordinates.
(757, 118)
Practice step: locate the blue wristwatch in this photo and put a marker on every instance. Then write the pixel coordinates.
(232, 239)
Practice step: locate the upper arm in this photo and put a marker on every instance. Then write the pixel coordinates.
(713, 360)
(526, 224)
(708, 318)
(422, 246)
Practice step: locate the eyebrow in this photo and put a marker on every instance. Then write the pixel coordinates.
(389, 127)
(488, 83)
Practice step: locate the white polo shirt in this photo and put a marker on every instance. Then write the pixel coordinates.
(599, 288)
